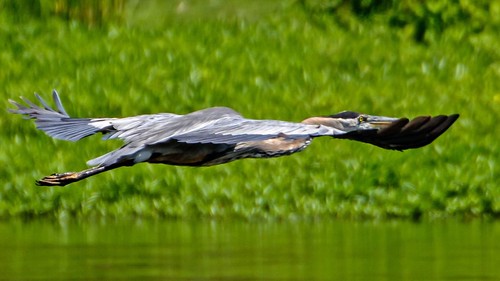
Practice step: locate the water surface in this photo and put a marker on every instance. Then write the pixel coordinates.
(235, 250)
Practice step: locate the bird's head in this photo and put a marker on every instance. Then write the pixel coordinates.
(386, 132)
(349, 121)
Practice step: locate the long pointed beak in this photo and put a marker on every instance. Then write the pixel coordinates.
(379, 122)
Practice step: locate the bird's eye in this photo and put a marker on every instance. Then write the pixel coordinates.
(361, 119)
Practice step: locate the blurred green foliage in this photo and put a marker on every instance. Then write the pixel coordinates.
(274, 60)
(424, 21)
(89, 12)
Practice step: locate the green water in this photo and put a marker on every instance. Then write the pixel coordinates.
(228, 250)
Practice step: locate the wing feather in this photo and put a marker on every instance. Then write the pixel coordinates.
(253, 130)
(403, 133)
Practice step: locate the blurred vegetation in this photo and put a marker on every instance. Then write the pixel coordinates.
(89, 12)
(424, 21)
(277, 60)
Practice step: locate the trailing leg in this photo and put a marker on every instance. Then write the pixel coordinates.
(69, 177)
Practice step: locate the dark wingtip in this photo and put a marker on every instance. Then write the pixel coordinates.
(454, 117)
(403, 134)
(428, 132)
(394, 127)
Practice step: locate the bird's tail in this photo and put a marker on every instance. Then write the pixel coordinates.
(57, 123)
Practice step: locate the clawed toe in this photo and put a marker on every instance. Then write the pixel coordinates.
(57, 179)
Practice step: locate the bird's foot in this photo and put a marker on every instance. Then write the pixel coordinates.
(58, 179)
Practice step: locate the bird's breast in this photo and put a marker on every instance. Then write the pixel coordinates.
(279, 146)
(213, 154)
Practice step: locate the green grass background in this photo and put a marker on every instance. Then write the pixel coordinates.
(270, 61)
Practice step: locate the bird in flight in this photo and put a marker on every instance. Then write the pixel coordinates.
(219, 135)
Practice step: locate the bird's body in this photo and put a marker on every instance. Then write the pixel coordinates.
(219, 135)
(206, 137)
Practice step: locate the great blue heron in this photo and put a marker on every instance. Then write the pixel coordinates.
(219, 135)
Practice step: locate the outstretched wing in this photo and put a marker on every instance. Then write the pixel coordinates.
(404, 134)
(142, 129)
(55, 122)
(233, 131)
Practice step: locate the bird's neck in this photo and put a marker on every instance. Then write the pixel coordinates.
(325, 121)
